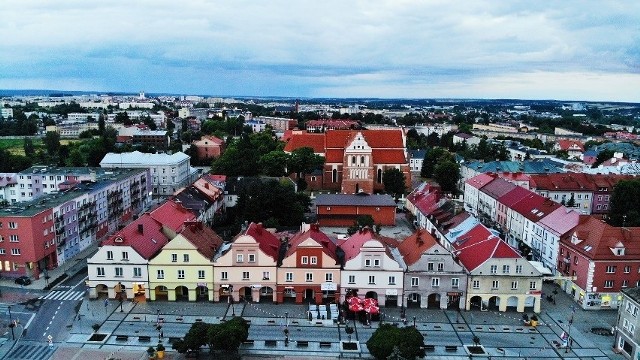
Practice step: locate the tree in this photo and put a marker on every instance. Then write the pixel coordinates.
(52, 142)
(572, 202)
(29, 149)
(447, 174)
(625, 204)
(394, 182)
(303, 161)
(430, 160)
(362, 222)
(408, 340)
(75, 159)
(603, 156)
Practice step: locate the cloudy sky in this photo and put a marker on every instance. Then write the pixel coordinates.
(569, 50)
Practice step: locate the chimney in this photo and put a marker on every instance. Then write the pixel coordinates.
(141, 228)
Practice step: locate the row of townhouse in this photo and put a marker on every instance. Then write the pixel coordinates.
(68, 209)
(591, 260)
(170, 255)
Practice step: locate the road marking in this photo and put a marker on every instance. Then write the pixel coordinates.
(81, 281)
(30, 320)
(44, 333)
(56, 313)
(47, 329)
(50, 322)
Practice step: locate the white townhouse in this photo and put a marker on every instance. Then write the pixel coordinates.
(373, 268)
(472, 191)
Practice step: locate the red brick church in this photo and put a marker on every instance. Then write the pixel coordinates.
(354, 159)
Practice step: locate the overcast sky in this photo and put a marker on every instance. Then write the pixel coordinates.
(569, 50)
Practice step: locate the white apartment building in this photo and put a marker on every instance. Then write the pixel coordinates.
(168, 172)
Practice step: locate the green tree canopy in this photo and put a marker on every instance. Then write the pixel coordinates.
(625, 204)
(262, 200)
(274, 163)
(394, 182)
(303, 161)
(603, 156)
(447, 174)
(408, 340)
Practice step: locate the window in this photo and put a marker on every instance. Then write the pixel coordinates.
(514, 285)
(495, 285)
(224, 275)
(239, 258)
(308, 277)
(429, 266)
(435, 282)
(288, 277)
(137, 272)
(119, 272)
(15, 251)
(415, 281)
(160, 274)
(245, 275)
(627, 269)
(13, 238)
(367, 262)
(314, 260)
(305, 260)
(13, 225)
(494, 269)
(625, 283)
(505, 269)
(252, 258)
(455, 283)
(533, 285)
(518, 269)
(328, 277)
(200, 274)
(352, 279)
(372, 280)
(476, 284)
(125, 255)
(441, 267)
(611, 269)
(392, 280)
(100, 271)
(174, 257)
(180, 274)
(266, 275)
(185, 257)
(376, 262)
(608, 284)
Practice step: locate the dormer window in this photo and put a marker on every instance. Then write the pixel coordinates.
(574, 239)
(619, 251)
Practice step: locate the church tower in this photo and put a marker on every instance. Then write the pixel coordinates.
(357, 166)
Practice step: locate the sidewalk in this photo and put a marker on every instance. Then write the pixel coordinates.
(70, 267)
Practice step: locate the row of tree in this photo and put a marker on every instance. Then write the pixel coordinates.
(226, 336)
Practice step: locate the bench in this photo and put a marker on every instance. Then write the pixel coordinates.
(451, 348)
(429, 348)
(144, 338)
(302, 344)
(271, 343)
(248, 342)
(324, 344)
(122, 337)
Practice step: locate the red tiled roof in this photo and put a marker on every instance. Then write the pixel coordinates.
(207, 189)
(353, 245)
(478, 245)
(172, 215)
(532, 205)
(268, 243)
(296, 141)
(565, 144)
(498, 187)
(481, 180)
(598, 239)
(513, 196)
(313, 233)
(391, 138)
(562, 182)
(206, 241)
(144, 235)
(415, 245)
(388, 156)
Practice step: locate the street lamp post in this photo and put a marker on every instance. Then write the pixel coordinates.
(414, 321)
(157, 316)
(11, 325)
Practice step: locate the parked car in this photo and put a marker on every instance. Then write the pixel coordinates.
(23, 280)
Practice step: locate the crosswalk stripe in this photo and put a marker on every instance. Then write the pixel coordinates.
(31, 352)
(63, 295)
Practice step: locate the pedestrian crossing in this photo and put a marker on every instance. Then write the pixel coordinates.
(31, 352)
(63, 295)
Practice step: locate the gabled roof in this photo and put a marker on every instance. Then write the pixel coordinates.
(479, 245)
(172, 215)
(481, 180)
(209, 140)
(597, 240)
(208, 190)
(566, 144)
(513, 196)
(498, 187)
(313, 233)
(354, 200)
(299, 140)
(534, 207)
(560, 221)
(206, 241)
(353, 245)
(144, 235)
(268, 243)
(562, 182)
(415, 245)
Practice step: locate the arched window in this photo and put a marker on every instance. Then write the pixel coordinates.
(379, 176)
(353, 160)
(362, 160)
(334, 175)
